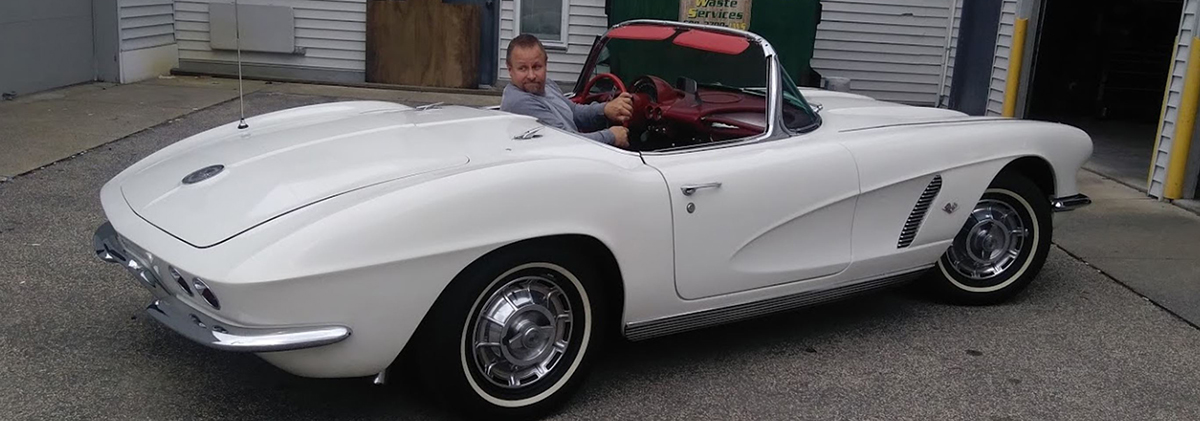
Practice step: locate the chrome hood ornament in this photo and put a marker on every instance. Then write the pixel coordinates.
(203, 174)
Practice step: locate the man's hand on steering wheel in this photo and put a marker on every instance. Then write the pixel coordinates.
(620, 109)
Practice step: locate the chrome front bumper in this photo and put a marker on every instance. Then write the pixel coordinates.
(198, 327)
(1063, 204)
(180, 316)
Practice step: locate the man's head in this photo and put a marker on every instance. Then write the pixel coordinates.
(526, 62)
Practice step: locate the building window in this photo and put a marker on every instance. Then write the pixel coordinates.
(545, 19)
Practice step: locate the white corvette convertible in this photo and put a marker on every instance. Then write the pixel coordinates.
(494, 255)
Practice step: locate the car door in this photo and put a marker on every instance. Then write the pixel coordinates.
(761, 214)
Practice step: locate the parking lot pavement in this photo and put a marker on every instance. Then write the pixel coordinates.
(74, 342)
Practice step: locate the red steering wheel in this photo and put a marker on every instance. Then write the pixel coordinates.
(585, 95)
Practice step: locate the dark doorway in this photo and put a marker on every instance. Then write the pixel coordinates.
(1102, 65)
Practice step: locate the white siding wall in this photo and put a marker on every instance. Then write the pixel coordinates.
(1008, 18)
(586, 21)
(1158, 174)
(891, 49)
(146, 23)
(333, 32)
(147, 39)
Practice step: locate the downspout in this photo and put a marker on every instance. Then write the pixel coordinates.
(946, 51)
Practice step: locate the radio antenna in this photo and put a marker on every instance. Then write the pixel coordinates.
(237, 27)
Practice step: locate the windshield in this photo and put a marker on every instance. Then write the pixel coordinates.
(713, 67)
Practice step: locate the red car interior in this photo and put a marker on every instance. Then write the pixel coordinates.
(666, 115)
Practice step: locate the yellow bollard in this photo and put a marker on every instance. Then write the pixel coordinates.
(1015, 57)
(1184, 124)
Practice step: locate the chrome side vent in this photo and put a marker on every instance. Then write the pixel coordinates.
(918, 213)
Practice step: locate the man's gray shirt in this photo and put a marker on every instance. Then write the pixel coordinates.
(553, 109)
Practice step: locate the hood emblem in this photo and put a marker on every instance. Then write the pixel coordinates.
(203, 174)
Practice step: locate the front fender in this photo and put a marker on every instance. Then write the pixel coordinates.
(376, 259)
(897, 163)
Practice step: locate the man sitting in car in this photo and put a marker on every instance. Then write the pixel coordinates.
(529, 94)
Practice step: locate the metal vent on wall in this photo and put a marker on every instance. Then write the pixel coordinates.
(264, 28)
(918, 213)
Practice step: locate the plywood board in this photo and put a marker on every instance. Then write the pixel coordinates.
(423, 43)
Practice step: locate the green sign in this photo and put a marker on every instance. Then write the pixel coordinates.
(728, 13)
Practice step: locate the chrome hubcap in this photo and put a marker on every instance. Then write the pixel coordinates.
(990, 242)
(522, 331)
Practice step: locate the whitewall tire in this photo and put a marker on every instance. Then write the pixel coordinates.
(1001, 247)
(513, 335)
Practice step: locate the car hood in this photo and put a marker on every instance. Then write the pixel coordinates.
(287, 160)
(842, 111)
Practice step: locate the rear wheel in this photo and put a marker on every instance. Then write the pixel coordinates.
(514, 335)
(1001, 247)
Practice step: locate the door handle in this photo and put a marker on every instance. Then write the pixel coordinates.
(688, 189)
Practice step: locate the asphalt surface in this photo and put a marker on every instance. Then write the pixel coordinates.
(75, 344)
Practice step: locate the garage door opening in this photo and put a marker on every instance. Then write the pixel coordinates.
(1102, 65)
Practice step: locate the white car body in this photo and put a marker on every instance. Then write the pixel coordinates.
(356, 215)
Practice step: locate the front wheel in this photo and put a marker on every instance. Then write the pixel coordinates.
(1001, 247)
(514, 335)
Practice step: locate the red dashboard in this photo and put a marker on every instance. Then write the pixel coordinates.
(668, 115)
